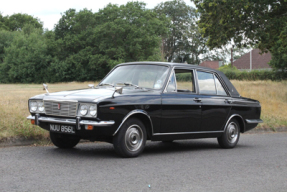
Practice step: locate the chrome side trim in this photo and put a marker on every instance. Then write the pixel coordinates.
(253, 121)
(183, 133)
(234, 115)
(72, 121)
(132, 113)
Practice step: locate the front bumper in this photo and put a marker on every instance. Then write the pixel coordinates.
(76, 121)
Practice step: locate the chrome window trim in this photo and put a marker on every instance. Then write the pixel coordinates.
(215, 84)
(136, 111)
(168, 80)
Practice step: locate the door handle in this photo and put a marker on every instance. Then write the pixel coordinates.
(197, 99)
(228, 101)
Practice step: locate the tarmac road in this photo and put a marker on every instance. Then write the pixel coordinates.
(258, 163)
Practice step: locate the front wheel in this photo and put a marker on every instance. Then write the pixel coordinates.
(230, 137)
(64, 141)
(131, 138)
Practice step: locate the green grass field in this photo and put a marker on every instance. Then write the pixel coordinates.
(14, 104)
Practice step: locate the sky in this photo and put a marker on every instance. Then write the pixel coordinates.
(49, 12)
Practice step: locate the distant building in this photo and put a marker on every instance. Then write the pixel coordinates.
(211, 64)
(257, 61)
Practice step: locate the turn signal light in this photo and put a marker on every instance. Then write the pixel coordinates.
(89, 127)
(112, 108)
(32, 121)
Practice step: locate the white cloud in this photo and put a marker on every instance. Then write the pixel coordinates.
(49, 12)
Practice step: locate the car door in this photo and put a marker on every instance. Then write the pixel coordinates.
(214, 101)
(181, 110)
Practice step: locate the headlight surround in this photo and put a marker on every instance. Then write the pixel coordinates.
(33, 106)
(36, 106)
(84, 110)
(93, 110)
(41, 107)
(88, 110)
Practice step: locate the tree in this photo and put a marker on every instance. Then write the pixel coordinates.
(91, 43)
(279, 51)
(184, 42)
(26, 59)
(2, 23)
(17, 21)
(245, 22)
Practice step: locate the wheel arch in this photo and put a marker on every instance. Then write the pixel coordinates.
(141, 115)
(239, 119)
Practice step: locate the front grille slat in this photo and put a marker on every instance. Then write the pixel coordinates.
(68, 109)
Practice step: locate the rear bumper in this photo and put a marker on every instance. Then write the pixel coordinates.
(253, 121)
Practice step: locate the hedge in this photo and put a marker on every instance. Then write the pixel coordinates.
(255, 75)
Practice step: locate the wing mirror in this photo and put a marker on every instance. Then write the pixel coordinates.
(117, 90)
(45, 87)
(92, 86)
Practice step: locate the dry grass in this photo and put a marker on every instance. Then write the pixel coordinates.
(273, 99)
(14, 105)
(14, 108)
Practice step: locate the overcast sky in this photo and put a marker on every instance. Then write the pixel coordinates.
(49, 12)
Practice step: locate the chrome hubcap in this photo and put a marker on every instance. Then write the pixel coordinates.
(134, 137)
(232, 132)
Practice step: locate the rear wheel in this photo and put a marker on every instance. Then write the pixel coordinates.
(131, 138)
(231, 135)
(64, 141)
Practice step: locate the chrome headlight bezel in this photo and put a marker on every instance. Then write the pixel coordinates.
(84, 110)
(88, 110)
(36, 106)
(93, 110)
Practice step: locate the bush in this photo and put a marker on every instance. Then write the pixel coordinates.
(255, 75)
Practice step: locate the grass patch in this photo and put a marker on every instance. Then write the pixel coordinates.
(14, 108)
(14, 105)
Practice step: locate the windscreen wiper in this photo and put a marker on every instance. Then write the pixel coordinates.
(105, 84)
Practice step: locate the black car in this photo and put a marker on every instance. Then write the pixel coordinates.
(141, 101)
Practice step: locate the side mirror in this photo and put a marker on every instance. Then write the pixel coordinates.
(92, 86)
(117, 90)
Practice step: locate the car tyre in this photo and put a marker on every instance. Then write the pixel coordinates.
(131, 138)
(230, 137)
(64, 141)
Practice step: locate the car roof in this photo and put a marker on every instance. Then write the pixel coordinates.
(231, 88)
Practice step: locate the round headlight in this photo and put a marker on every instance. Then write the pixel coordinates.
(33, 106)
(41, 106)
(93, 110)
(84, 110)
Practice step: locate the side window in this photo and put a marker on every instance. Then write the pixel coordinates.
(220, 90)
(206, 83)
(184, 80)
(172, 84)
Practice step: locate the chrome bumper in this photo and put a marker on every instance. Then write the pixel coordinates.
(70, 121)
(254, 121)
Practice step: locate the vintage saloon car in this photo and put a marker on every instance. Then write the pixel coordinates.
(142, 101)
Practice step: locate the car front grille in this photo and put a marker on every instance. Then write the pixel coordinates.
(61, 108)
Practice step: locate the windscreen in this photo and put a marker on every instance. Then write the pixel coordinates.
(146, 76)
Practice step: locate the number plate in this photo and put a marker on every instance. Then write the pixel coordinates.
(62, 128)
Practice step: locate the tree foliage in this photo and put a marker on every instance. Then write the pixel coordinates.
(184, 42)
(244, 22)
(17, 21)
(82, 47)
